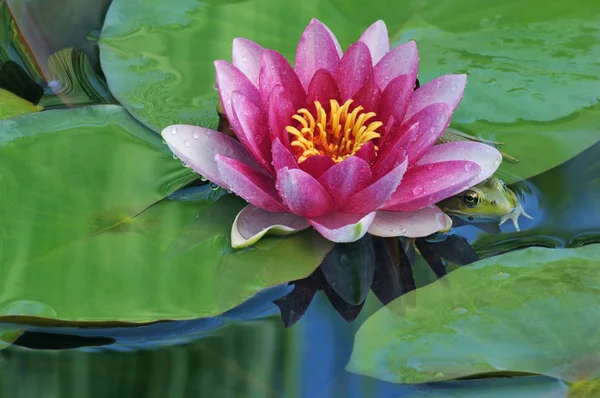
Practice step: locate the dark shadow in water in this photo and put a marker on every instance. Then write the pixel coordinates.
(54, 341)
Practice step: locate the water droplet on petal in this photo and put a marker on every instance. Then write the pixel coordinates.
(173, 130)
(175, 157)
(417, 190)
(244, 59)
(497, 162)
(186, 143)
(468, 167)
(215, 87)
(196, 135)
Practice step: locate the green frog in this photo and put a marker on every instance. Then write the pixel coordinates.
(490, 201)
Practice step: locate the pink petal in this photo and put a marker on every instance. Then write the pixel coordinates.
(367, 152)
(281, 111)
(317, 165)
(390, 158)
(316, 50)
(369, 97)
(246, 57)
(402, 60)
(338, 48)
(375, 195)
(250, 126)
(322, 88)
(410, 224)
(395, 97)
(275, 70)
(341, 227)
(345, 178)
(252, 223)
(448, 88)
(197, 147)
(282, 157)
(230, 79)
(432, 120)
(487, 157)
(354, 70)
(425, 185)
(376, 38)
(302, 194)
(253, 186)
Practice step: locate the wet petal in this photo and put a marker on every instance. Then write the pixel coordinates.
(391, 155)
(369, 97)
(252, 223)
(230, 79)
(402, 60)
(432, 120)
(448, 89)
(281, 111)
(316, 50)
(410, 224)
(342, 227)
(253, 186)
(345, 178)
(376, 194)
(250, 126)
(276, 70)
(486, 157)
(302, 193)
(367, 152)
(395, 97)
(282, 157)
(246, 57)
(322, 88)
(197, 147)
(425, 185)
(354, 70)
(376, 38)
(317, 165)
(338, 48)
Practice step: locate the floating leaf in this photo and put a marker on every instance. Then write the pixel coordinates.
(533, 311)
(12, 105)
(87, 234)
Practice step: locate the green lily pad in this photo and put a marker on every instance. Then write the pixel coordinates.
(12, 105)
(532, 311)
(158, 57)
(532, 85)
(86, 234)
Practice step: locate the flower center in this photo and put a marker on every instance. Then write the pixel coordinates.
(338, 134)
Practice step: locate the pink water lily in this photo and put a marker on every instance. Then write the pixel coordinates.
(341, 142)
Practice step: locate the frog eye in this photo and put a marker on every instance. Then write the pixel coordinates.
(471, 198)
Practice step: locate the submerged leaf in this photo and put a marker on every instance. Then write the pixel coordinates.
(349, 268)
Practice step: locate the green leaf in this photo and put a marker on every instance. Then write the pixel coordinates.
(13, 106)
(158, 57)
(87, 236)
(533, 311)
(533, 76)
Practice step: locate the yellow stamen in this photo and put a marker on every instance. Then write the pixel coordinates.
(339, 134)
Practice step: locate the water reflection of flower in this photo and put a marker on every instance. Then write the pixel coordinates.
(341, 142)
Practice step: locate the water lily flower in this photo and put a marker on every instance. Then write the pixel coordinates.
(341, 141)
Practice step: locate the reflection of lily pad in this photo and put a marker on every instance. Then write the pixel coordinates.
(85, 232)
(536, 311)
